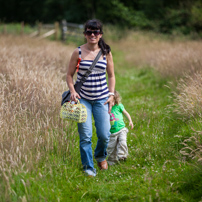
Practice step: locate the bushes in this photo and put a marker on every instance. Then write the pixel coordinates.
(196, 16)
(175, 20)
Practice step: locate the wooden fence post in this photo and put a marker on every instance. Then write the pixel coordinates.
(63, 30)
(22, 28)
(4, 29)
(39, 28)
(56, 30)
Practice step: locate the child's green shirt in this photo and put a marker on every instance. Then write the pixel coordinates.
(116, 118)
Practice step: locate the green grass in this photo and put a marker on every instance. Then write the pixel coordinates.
(15, 29)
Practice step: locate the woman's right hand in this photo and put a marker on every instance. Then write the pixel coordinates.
(74, 96)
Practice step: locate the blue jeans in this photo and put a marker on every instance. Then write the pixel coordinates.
(102, 124)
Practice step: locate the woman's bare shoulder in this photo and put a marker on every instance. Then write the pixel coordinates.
(109, 56)
(75, 53)
(83, 47)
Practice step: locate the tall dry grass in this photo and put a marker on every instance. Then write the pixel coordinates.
(188, 104)
(193, 146)
(31, 85)
(188, 97)
(170, 57)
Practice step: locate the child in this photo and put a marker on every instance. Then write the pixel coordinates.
(117, 147)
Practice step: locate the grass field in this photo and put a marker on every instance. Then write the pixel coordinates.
(39, 153)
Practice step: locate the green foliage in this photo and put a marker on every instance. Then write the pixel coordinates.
(175, 20)
(114, 12)
(162, 16)
(140, 21)
(152, 9)
(196, 17)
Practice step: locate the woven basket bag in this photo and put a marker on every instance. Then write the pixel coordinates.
(73, 112)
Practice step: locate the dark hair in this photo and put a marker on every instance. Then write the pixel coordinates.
(95, 24)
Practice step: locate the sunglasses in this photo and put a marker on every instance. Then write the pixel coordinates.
(89, 33)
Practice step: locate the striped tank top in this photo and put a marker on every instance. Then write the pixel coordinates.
(95, 87)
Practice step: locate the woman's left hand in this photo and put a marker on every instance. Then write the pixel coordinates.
(110, 101)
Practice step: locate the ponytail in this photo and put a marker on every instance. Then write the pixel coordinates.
(104, 47)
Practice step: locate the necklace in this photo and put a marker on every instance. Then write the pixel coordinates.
(90, 52)
(93, 52)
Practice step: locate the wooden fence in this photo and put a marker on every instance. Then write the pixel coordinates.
(71, 31)
(4, 28)
(46, 30)
(60, 31)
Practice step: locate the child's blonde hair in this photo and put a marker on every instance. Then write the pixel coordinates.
(117, 97)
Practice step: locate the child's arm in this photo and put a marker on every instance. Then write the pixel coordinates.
(128, 117)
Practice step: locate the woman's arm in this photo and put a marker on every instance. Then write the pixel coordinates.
(111, 80)
(70, 73)
(128, 117)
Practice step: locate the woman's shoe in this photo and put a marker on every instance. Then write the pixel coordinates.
(103, 165)
(90, 173)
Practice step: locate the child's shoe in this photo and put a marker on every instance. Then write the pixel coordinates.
(122, 159)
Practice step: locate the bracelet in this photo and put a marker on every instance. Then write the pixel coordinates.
(110, 93)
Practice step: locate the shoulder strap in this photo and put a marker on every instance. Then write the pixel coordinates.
(85, 76)
(79, 51)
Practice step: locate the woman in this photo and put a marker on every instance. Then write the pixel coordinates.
(94, 94)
